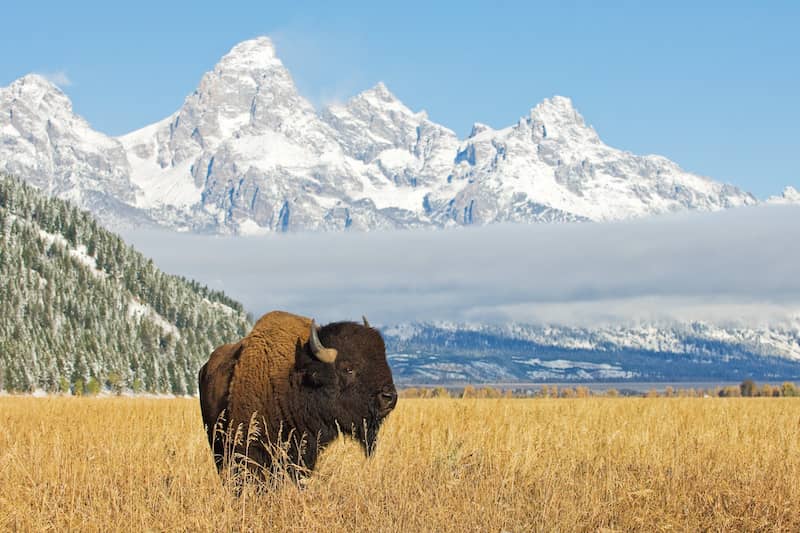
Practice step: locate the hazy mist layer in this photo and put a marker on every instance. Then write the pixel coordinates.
(740, 265)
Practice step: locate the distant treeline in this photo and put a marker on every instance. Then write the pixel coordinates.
(747, 388)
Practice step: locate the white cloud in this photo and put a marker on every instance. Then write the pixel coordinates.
(58, 77)
(735, 266)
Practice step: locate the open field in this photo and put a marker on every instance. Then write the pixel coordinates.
(591, 464)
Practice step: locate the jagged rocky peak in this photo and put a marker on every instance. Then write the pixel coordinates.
(249, 92)
(38, 93)
(373, 121)
(556, 118)
(381, 92)
(380, 96)
(253, 54)
(248, 85)
(478, 128)
(31, 83)
(44, 141)
(377, 101)
(40, 112)
(557, 108)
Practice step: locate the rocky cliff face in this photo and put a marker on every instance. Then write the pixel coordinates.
(42, 140)
(246, 153)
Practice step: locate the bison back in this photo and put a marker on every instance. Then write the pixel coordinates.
(260, 384)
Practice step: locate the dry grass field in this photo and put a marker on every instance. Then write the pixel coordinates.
(598, 464)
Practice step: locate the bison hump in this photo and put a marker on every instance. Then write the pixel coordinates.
(261, 378)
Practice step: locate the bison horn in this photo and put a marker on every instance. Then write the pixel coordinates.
(366, 322)
(326, 355)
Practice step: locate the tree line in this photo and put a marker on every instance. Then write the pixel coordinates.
(82, 311)
(748, 388)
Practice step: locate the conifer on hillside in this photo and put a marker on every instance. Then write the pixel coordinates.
(78, 305)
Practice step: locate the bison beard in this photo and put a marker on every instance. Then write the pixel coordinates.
(274, 400)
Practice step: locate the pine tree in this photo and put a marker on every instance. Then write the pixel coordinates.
(123, 325)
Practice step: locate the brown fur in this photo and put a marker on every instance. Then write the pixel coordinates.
(260, 382)
(272, 377)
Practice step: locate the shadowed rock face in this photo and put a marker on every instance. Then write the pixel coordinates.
(280, 385)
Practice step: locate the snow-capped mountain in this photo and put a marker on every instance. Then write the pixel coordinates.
(246, 153)
(790, 195)
(46, 143)
(448, 352)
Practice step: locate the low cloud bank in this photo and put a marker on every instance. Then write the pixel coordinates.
(740, 266)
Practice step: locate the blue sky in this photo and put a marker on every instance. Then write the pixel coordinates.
(711, 85)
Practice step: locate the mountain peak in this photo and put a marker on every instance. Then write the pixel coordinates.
(564, 102)
(379, 97)
(40, 92)
(381, 92)
(248, 88)
(34, 84)
(258, 53)
(790, 196)
(557, 107)
(36, 80)
(478, 128)
(559, 118)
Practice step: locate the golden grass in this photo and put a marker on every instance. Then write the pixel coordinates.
(442, 465)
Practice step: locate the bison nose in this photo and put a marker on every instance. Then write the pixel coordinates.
(387, 399)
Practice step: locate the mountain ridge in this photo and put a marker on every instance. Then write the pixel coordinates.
(446, 352)
(246, 153)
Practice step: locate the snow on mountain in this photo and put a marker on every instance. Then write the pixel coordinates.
(790, 195)
(449, 352)
(44, 141)
(411, 153)
(79, 304)
(552, 162)
(677, 338)
(246, 153)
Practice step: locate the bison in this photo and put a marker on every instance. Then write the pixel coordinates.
(289, 387)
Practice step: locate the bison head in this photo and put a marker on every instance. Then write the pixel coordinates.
(344, 374)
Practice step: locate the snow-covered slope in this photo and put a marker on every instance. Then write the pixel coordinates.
(79, 305)
(246, 153)
(552, 160)
(46, 143)
(448, 352)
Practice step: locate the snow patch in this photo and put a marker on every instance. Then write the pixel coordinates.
(138, 310)
(80, 253)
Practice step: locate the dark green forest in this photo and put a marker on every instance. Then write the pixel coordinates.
(81, 311)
